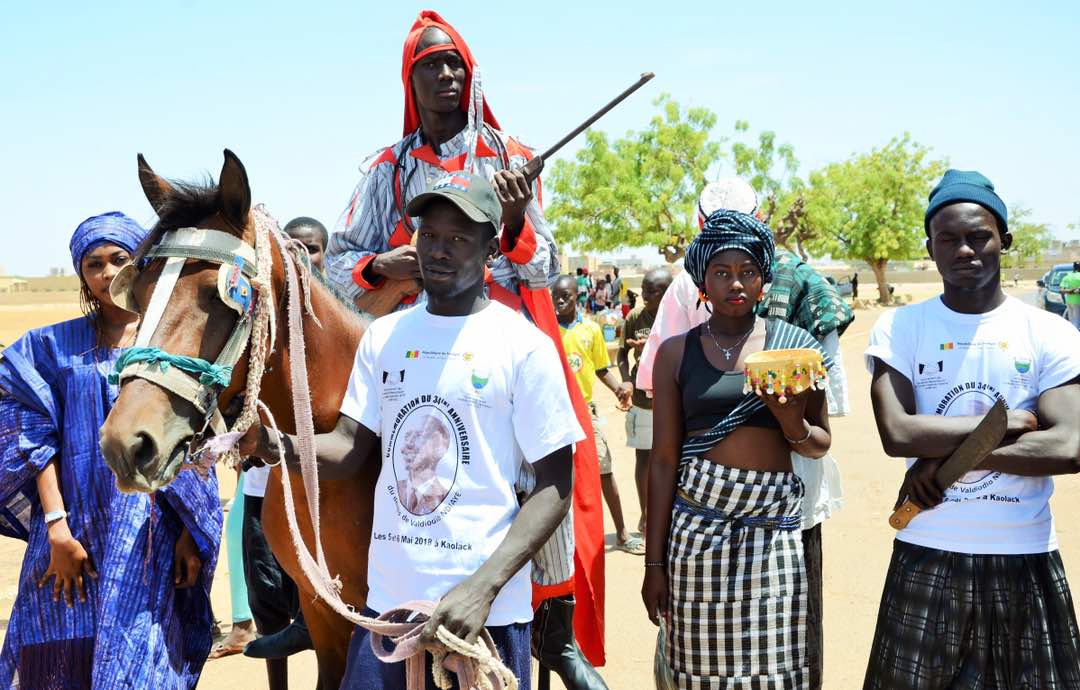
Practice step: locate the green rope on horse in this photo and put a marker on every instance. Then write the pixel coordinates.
(209, 374)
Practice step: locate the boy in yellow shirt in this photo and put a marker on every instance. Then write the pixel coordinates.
(588, 358)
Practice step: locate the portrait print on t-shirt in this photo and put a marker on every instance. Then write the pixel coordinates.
(426, 457)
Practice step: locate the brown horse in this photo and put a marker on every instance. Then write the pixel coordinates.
(150, 427)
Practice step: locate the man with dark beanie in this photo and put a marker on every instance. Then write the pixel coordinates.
(975, 595)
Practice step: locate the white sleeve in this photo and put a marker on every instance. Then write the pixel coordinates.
(543, 416)
(892, 343)
(361, 402)
(1059, 354)
(837, 392)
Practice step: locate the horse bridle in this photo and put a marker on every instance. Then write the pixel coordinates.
(194, 379)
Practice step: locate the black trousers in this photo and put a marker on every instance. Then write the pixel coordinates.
(272, 594)
(815, 635)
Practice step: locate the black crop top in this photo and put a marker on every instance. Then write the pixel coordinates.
(710, 394)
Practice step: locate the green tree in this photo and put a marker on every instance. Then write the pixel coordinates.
(1030, 239)
(870, 207)
(639, 190)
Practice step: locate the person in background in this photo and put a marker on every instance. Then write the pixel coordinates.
(630, 304)
(618, 288)
(114, 590)
(855, 286)
(639, 426)
(582, 289)
(602, 296)
(312, 234)
(1070, 290)
(243, 627)
(587, 355)
(271, 593)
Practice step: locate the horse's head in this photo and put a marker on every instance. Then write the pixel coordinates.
(178, 374)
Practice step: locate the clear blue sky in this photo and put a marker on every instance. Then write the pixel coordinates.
(303, 91)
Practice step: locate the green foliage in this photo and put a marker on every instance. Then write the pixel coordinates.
(1030, 239)
(870, 207)
(639, 190)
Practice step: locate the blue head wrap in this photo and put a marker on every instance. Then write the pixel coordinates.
(108, 228)
(723, 230)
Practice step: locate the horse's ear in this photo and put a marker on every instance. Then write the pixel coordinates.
(233, 191)
(157, 189)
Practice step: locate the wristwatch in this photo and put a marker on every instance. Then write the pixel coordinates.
(54, 515)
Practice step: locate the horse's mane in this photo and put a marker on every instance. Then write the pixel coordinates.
(339, 294)
(187, 204)
(192, 202)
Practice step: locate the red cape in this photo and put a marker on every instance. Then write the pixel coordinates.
(588, 509)
(409, 58)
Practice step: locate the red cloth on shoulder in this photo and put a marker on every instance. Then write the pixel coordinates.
(427, 19)
(588, 509)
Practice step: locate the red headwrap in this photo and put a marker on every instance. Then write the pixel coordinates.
(425, 20)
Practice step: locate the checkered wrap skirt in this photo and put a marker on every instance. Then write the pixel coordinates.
(738, 587)
(974, 621)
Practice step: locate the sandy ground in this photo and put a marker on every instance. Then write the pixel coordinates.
(857, 541)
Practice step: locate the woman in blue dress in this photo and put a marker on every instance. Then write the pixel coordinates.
(115, 588)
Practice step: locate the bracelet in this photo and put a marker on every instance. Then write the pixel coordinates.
(55, 515)
(804, 439)
(655, 564)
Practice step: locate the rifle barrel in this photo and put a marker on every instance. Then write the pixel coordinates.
(645, 77)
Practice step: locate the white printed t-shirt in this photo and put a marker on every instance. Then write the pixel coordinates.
(959, 365)
(459, 403)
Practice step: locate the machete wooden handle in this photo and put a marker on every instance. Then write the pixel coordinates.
(902, 515)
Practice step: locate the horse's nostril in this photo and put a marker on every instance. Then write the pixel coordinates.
(143, 451)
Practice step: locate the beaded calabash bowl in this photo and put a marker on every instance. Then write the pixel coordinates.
(785, 372)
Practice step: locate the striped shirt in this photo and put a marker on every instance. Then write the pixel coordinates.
(372, 222)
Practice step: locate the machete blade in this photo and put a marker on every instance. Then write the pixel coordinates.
(980, 442)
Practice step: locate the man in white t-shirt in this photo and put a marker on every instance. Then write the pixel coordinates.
(458, 395)
(976, 595)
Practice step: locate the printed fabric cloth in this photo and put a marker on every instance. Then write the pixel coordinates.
(974, 621)
(136, 630)
(738, 583)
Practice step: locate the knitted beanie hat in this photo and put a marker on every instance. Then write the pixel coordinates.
(966, 185)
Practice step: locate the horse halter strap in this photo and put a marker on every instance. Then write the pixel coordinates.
(192, 378)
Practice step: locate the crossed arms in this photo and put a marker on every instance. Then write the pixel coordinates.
(1039, 444)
